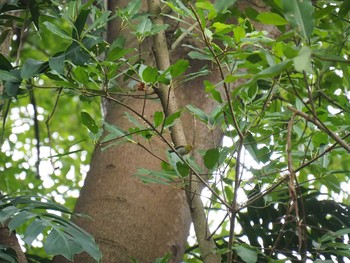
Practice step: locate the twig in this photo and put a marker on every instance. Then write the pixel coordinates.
(322, 127)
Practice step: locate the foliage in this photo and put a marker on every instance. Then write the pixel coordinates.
(278, 187)
(64, 237)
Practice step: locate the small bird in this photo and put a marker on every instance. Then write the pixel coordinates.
(183, 149)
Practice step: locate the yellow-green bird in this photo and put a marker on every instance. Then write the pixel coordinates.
(183, 149)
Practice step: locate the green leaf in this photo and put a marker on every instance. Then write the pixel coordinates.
(201, 115)
(222, 5)
(19, 219)
(6, 256)
(81, 74)
(89, 122)
(115, 132)
(211, 158)
(179, 68)
(12, 88)
(32, 67)
(7, 212)
(252, 147)
(206, 5)
(57, 31)
(271, 19)
(199, 55)
(344, 9)
(210, 88)
(4, 63)
(80, 22)
(182, 168)
(158, 118)
(133, 7)
(9, 76)
(246, 254)
(33, 230)
(300, 14)
(303, 61)
(170, 120)
(144, 26)
(56, 63)
(274, 69)
(150, 75)
(58, 243)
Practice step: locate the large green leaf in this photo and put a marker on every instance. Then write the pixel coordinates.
(300, 14)
(58, 243)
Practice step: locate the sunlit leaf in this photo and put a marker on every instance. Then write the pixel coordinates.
(271, 19)
(57, 31)
(303, 61)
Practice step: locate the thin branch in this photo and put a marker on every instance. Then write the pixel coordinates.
(234, 204)
(322, 127)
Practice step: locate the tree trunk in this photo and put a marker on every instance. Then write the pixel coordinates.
(131, 220)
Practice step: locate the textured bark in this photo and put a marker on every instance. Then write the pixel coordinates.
(9, 240)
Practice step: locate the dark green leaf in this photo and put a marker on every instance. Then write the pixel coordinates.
(182, 168)
(89, 122)
(32, 67)
(246, 254)
(4, 64)
(56, 63)
(12, 88)
(19, 219)
(80, 22)
(9, 76)
(7, 212)
(344, 9)
(211, 158)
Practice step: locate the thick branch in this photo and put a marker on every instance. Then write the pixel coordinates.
(168, 100)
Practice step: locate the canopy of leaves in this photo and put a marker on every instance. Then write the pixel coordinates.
(283, 105)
